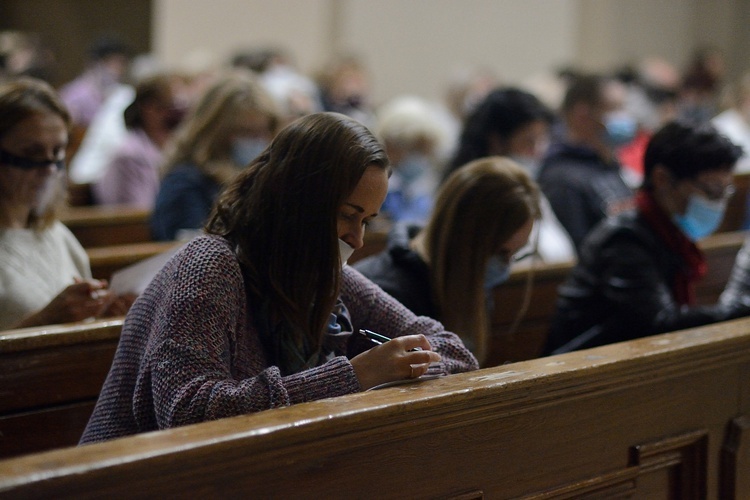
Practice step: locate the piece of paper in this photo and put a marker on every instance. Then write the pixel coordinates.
(136, 277)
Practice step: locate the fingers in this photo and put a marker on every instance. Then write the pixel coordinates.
(119, 305)
(84, 299)
(415, 355)
(415, 342)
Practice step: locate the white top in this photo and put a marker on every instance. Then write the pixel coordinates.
(34, 267)
(102, 138)
(555, 244)
(733, 125)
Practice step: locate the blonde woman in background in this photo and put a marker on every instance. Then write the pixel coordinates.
(230, 125)
(483, 216)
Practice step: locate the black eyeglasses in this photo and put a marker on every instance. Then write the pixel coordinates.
(27, 163)
(715, 193)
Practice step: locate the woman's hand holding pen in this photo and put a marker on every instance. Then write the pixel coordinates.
(398, 359)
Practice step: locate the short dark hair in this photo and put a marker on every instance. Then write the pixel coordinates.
(588, 89)
(503, 112)
(157, 88)
(687, 150)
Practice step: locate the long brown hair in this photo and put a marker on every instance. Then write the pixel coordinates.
(19, 99)
(478, 208)
(281, 213)
(203, 137)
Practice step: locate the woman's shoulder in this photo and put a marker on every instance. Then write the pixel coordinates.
(206, 261)
(621, 236)
(184, 173)
(209, 247)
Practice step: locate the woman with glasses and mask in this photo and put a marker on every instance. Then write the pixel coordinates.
(484, 214)
(44, 272)
(637, 271)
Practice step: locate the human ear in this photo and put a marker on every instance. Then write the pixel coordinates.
(661, 179)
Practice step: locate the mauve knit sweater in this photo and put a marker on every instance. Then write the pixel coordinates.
(190, 352)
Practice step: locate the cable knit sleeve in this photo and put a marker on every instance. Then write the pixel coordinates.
(205, 360)
(372, 308)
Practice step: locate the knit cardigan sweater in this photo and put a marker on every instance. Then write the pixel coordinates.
(190, 351)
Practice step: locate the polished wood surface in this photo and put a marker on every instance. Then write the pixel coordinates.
(650, 418)
(51, 378)
(97, 226)
(74, 359)
(736, 213)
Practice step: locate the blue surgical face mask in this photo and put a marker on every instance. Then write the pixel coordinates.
(345, 251)
(497, 272)
(412, 167)
(621, 128)
(701, 218)
(246, 149)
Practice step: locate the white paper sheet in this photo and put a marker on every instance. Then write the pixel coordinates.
(135, 278)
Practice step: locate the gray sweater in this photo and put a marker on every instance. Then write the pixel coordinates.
(191, 352)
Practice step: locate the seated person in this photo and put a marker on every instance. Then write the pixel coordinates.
(229, 126)
(737, 290)
(45, 276)
(512, 122)
(132, 176)
(636, 271)
(260, 312)
(412, 135)
(580, 175)
(484, 214)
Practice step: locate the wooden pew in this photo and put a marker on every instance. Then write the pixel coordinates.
(530, 336)
(33, 360)
(106, 260)
(660, 417)
(80, 195)
(98, 226)
(50, 379)
(734, 218)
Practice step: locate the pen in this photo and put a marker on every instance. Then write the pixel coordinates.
(380, 339)
(375, 337)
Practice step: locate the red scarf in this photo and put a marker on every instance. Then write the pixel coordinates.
(675, 240)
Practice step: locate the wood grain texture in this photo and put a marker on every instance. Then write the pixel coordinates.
(558, 427)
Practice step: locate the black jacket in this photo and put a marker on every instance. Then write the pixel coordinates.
(582, 189)
(621, 289)
(401, 272)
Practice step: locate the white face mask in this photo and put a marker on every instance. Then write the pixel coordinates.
(345, 251)
(47, 194)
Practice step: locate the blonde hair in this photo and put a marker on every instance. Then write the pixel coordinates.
(23, 97)
(410, 122)
(203, 138)
(479, 207)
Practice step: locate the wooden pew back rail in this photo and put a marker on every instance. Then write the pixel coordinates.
(645, 419)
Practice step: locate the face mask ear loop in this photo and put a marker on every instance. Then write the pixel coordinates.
(529, 282)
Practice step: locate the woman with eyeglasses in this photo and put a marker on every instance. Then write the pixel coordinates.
(44, 272)
(484, 214)
(637, 271)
